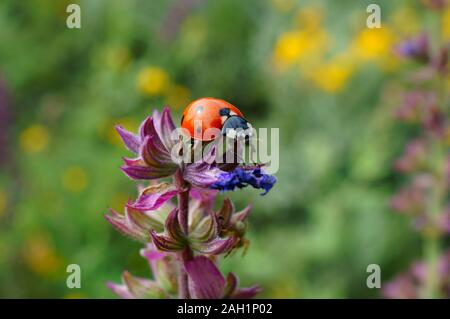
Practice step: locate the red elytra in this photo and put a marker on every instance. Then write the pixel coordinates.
(207, 110)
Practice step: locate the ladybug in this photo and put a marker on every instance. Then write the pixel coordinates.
(206, 113)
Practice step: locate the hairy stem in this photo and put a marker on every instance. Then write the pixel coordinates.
(183, 211)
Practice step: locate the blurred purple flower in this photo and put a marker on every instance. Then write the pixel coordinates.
(409, 109)
(435, 4)
(425, 196)
(175, 17)
(421, 107)
(240, 178)
(402, 287)
(207, 282)
(440, 61)
(411, 198)
(434, 120)
(416, 48)
(444, 220)
(414, 156)
(408, 285)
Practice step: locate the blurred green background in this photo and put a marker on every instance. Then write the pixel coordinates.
(311, 68)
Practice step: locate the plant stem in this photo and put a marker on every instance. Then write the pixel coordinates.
(183, 211)
(186, 254)
(432, 249)
(432, 243)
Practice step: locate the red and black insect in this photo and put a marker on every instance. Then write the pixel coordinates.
(214, 113)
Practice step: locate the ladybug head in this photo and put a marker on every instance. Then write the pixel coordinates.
(234, 125)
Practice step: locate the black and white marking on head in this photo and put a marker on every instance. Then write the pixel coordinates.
(236, 126)
(224, 112)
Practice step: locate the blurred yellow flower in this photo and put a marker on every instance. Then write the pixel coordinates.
(178, 96)
(283, 5)
(305, 44)
(309, 18)
(290, 46)
(75, 179)
(332, 76)
(153, 81)
(3, 202)
(40, 256)
(446, 24)
(34, 139)
(373, 44)
(300, 46)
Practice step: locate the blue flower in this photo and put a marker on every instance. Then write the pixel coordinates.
(240, 178)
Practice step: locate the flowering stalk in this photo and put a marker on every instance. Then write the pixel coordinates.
(425, 159)
(183, 241)
(186, 254)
